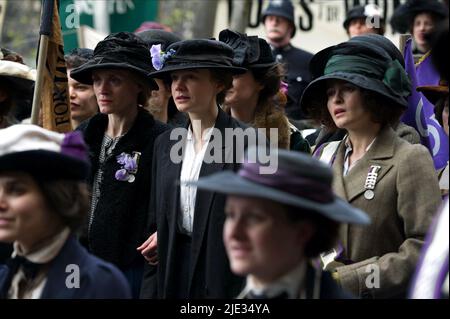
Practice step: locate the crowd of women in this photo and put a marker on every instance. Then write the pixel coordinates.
(148, 197)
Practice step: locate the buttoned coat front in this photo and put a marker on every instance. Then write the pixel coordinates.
(406, 197)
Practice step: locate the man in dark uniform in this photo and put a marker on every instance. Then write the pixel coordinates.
(278, 20)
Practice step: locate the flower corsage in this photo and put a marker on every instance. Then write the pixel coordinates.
(159, 57)
(129, 167)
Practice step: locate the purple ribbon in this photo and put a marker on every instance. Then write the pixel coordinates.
(288, 182)
(73, 145)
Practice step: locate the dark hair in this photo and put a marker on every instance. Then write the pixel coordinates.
(382, 110)
(68, 199)
(439, 108)
(225, 78)
(78, 57)
(326, 234)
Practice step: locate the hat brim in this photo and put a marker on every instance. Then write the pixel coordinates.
(403, 16)
(45, 165)
(232, 184)
(316, 89)
(262, 65)
(433, 92)
(171, 68)
(83, 74)
(20, 85)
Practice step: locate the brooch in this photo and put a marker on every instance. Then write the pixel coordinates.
(371, 181)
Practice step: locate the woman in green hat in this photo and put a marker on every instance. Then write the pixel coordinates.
(363, 90)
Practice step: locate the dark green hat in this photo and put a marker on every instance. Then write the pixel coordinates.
(365, 64)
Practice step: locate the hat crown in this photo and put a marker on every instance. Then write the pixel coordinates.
(157, 36)
(282, 8)
(25, 147)
(124, 46)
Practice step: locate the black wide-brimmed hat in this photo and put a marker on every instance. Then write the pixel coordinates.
(280, 8)
(193, 54)
(123, 50)
(299, 180)
(44, 154)
(363, 12)
(250, 52)
(404, 15)
(363, 62)
(156, 36)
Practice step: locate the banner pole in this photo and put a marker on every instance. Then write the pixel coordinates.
(42, 58)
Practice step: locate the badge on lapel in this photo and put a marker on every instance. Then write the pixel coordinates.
(129, 163)
(371, 181)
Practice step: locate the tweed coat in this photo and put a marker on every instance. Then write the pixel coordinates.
(406, 197)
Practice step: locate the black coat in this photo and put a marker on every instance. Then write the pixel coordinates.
(120, 217)
(296, 62)
(210, 275)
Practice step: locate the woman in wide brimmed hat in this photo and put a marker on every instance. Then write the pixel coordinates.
(254, 95)
(363, 90)
(16, 81)
(277, 225)
(43, 201)
(192, 262)
(328, 134)
(419, 17)
(161, 104)
(120, 139)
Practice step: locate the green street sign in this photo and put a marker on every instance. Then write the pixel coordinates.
(124, 15)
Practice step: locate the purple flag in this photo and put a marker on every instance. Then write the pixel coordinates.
(420, 112)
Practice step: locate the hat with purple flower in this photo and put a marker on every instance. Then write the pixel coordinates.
(44, 154)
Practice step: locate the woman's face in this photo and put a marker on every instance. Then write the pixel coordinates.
(194, 91)
(24, 214)
(83, 103)
(423, 25)
(245, 91)
(116, 90)
(345, 105)
(260, 240)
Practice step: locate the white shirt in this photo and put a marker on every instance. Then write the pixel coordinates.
(349, 151)
(292, 283)
(44, 255)
(190, 171)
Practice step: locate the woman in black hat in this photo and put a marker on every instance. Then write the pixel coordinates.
(161, 104)
(16, 81)
(277, 225)
(192, 262)
(363, 90)
(363, 20)
(43, 201)
(419, 17)
(120, 139)
(254, 95)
